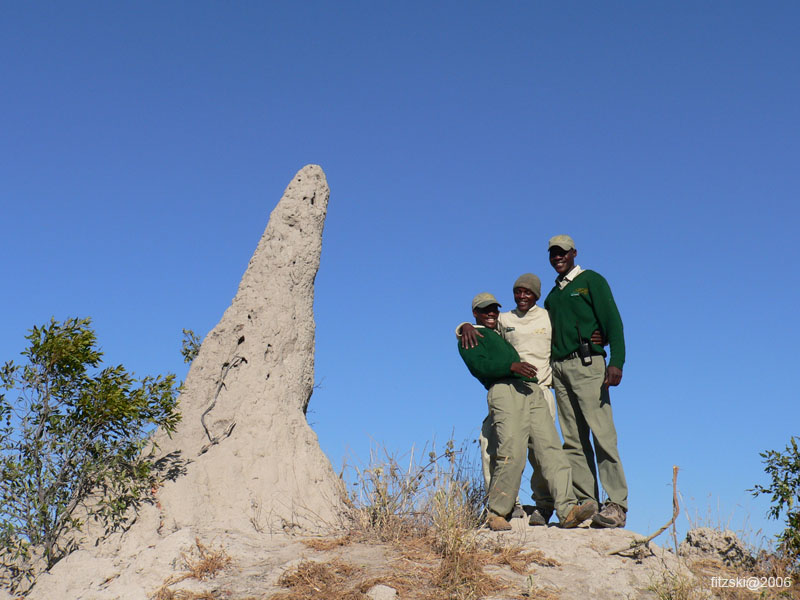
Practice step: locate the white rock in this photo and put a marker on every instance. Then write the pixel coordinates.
(382, 592)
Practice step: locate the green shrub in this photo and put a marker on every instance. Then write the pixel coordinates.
(73, 441)
(784, 469)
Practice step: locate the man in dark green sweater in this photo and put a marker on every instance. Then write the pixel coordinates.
(580, 303)
(521, 419)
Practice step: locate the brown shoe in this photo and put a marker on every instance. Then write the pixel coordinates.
(498, 523)
(579, 514)
(612, 515)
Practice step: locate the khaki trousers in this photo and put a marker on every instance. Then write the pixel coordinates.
(539, 488)
(521, 420)
(584, 406)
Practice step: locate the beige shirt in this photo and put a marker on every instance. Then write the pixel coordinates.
(530, 335)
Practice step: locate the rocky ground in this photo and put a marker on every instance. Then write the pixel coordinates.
(567, 564)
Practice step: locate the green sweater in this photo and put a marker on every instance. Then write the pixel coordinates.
(587, 302)
(490, 361)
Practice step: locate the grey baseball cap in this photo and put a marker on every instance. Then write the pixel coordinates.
(531, 282)
(562, 241)
(483, 300)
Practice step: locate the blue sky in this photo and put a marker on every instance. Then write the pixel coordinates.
(145, 144)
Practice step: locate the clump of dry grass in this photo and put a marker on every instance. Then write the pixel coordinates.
(461, 577)
(312, 580)
(395, 502)
(324, 544)
(208, 563)
(677, 584)
(518, 559)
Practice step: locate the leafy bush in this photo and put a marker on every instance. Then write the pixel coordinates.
(784, 469)
(72, 442)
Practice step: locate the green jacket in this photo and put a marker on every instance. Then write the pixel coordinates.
(490, 361)
(587, 302)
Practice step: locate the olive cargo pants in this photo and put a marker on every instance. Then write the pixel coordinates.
(584, 406)
(522, 420)
(541, 492)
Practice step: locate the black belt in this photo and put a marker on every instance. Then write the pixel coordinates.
(576, 355)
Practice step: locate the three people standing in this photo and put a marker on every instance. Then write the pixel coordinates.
(521, 419)
(583, 313)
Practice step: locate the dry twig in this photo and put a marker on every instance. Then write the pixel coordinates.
(637, 546)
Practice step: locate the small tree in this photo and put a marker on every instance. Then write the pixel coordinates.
(784, 469)
(72, 441)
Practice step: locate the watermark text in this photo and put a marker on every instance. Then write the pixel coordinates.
(751, 583)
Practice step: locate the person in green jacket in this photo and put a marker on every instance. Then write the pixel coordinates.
(580, 303)
(521, 419)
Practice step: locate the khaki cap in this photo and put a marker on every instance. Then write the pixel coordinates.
(562, 241)
(483, 300)
(531, 282)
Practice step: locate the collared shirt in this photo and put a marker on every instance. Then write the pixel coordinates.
(565, 280)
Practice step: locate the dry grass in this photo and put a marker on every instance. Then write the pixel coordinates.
(677, 585)
(393, 501)
(312, 580)
(208, 563)
(409, 582)
(517, 559)
(325, 544)
(460, 576)
(455, 578)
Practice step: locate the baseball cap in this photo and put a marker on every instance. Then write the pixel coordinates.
(483, 300)
(562, 241)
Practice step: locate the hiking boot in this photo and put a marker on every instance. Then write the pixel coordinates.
(518, 512)
(612, 515)
(579, 513)
(497, 523)
(540, 516)
(595, 508)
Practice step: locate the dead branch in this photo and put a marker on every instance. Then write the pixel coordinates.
(637, 546)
